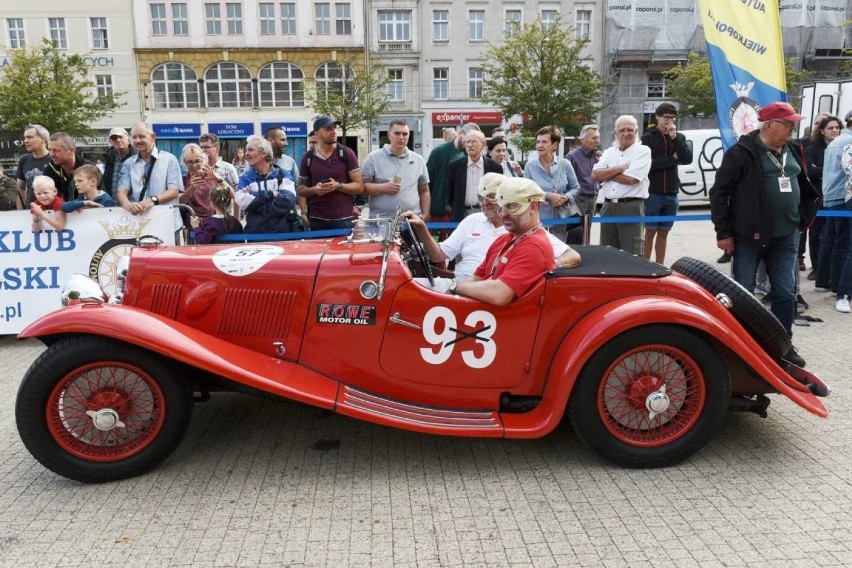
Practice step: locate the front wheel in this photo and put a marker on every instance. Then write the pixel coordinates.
(651, 397)
(93, 409)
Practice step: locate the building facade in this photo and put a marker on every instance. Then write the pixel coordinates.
(101, 31)
(237, 68)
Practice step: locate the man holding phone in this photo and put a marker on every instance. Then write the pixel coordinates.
(394, 176)
(329, 177)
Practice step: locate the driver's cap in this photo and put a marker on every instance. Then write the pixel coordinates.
(516, 194)
(490, 183)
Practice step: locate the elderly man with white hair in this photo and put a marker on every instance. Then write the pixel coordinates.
(266, 192)
(623, 174)
(476, 233)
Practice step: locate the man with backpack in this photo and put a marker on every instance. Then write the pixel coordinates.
(329, 178)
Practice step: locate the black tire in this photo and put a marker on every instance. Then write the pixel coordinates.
(608, 411)
(83, 380)
(761, 324)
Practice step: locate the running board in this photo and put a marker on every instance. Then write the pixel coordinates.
(433, 420)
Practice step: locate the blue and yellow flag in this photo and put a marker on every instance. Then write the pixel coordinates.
(746, 59)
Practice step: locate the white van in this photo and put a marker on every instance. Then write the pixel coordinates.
(697, 178)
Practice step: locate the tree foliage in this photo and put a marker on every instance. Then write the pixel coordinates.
(43, 85)
(691, 84)
(364, 98)
(541, 72)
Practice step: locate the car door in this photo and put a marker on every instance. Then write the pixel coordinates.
(441, 339)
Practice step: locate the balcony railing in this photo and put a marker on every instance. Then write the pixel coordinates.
(395, 46)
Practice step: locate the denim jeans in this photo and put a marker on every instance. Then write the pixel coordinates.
(834, 250)
(844, 285)
(780, 259)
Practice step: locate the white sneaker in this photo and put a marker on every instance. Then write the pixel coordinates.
(842, 305)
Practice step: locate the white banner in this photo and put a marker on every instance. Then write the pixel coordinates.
(35, 265)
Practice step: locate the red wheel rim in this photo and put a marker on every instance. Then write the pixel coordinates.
(107, 390)
(639, 374)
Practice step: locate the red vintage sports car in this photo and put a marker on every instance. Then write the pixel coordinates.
(646, 362)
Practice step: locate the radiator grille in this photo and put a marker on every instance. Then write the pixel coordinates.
(257, 313)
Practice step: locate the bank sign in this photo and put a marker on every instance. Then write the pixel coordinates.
(171, 130)
(290, 128)
(231, 129)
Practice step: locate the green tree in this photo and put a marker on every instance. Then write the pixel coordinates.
(355, 95)
(43, 85)
(691, 84)
(540, 71)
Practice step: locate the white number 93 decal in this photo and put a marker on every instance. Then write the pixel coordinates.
(440, 329)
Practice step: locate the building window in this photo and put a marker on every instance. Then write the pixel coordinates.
(228, 85)
(281, 84)
(288, 18)
(103, 86)
(213, 17)
(180, 21)
(440, 25)
(267, 18)
(17, 33)
(394, 25)
(512, 23)
(58, 32)
(476, 25)
(235, 18)
(475, 81)
(322, 16)
(159, 24)
(174, 85)
(547, 18)
(332, 78)
(100, 34)
(441, 83)
(396, 86)
(583, 24)
(343, 18)
(656, 86)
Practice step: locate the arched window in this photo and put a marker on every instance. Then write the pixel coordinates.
(332, 78)
(281, 84)
(174, 85)
(228, 85)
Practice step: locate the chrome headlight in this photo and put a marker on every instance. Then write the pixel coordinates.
(81, 289)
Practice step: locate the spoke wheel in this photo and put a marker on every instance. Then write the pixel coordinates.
(95, 418)
(650, 397)
(105, 411)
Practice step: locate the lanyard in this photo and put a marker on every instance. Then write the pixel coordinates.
(502, 255)
(780, 165)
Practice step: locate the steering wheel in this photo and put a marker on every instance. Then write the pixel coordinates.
(418, 250)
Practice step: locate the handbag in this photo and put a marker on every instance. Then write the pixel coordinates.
(569, 208)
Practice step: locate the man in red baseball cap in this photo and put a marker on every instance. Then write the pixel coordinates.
(759, 202)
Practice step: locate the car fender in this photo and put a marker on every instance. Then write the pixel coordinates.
(179, 342)
(605, 322)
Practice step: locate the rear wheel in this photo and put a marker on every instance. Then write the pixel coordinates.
(93, 409)
(651, 397)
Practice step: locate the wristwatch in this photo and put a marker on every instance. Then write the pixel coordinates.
(339, 186)
(452, 288)
(155, 200)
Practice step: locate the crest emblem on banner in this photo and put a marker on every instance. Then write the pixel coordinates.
(743, 111)
(122, 234)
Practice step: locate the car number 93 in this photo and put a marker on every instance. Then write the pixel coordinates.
(475, 340)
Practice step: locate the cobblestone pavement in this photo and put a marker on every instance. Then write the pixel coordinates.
(266, 482)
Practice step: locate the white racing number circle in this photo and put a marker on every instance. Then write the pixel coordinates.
(244, 260)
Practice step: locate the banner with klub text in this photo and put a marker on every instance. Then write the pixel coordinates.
(35, 265)
(746, 61)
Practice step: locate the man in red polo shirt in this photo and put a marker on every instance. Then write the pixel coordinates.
(518, 260)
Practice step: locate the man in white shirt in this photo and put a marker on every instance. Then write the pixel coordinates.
(475, 234)
(622, 172)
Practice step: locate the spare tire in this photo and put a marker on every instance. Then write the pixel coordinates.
(761, 324)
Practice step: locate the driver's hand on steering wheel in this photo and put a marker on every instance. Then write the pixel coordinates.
(412, 218)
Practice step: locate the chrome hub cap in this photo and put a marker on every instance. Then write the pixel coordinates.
(105, 419)
(657, 402)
